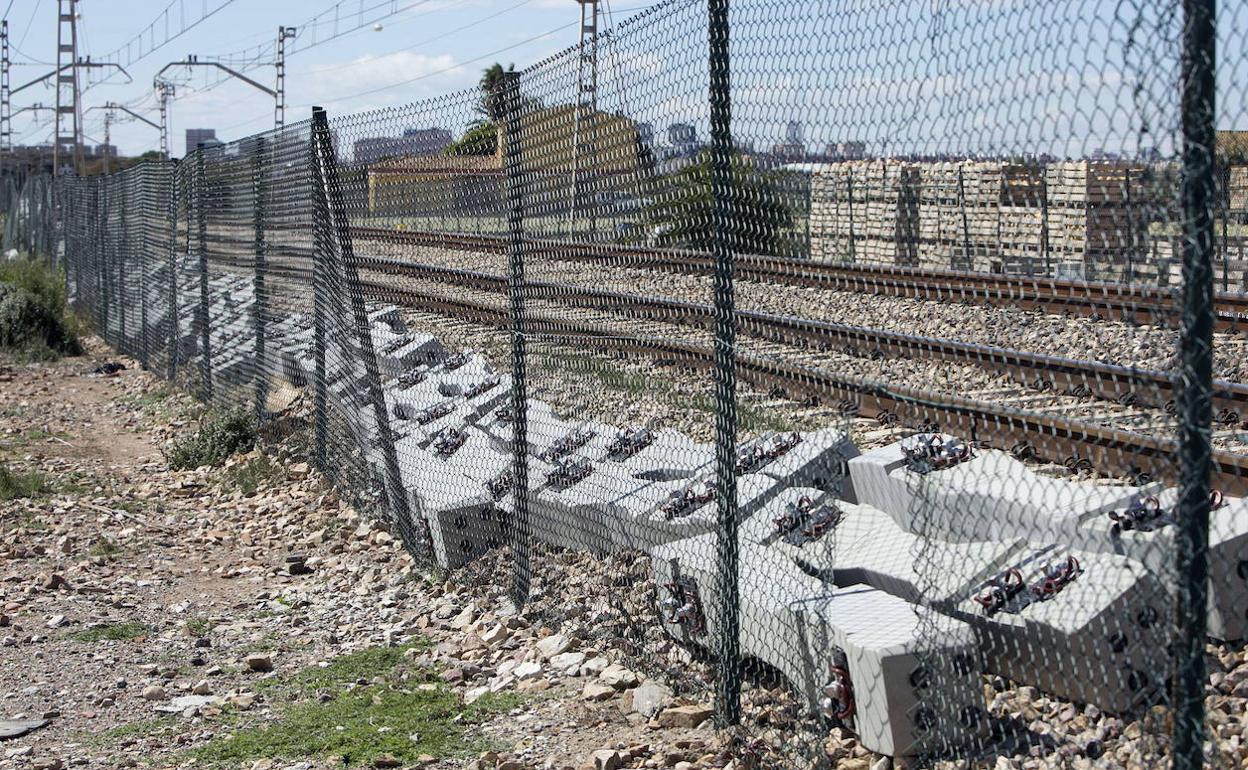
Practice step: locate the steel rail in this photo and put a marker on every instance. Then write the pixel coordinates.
(1128, 302)
(1109, 450)
(1127, 386)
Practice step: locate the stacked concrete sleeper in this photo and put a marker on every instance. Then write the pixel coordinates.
(868, 605)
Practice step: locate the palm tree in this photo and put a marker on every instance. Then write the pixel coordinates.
(490, 104)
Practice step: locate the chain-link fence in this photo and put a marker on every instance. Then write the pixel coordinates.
(854, 367)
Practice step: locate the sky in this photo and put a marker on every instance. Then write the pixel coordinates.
(420, 41)
(1064, 77)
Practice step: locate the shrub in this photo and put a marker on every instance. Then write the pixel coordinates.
(219, 436)
(17, 486)
(34, 316)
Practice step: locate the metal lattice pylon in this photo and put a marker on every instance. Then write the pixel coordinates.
(583, 145)
(67, 93)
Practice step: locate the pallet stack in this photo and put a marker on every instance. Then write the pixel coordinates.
(979, 215)
(865, 212)
(1097, 219)
(1077, 219)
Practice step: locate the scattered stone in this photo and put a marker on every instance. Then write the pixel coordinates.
(596, 691)
(154, 692)
(684, 716)
(553, 645)
(618, 677)
(16, 728)
(607, 759)
(649, 698)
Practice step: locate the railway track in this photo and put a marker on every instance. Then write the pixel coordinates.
(1127, 386)
(1135, 303)
(1029, 434)
(1053, 436)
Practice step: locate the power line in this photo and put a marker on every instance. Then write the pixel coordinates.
(26, 32)
(150, 31)
(351, 65)
(261, 54)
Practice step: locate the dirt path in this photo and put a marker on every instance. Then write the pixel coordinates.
(151, 617)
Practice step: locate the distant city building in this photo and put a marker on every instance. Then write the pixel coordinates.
(845, 150)
(645, 133)
(679, 134)
(414, 141)
(106, 149)
(789, 152)
(793, 132)
(198, 136)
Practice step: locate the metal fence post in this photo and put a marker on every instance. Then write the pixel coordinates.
(512, 166)
(105, 264)
(119, 277)
(321, 235)
(258, 308)
(332, 201)
(201, 227)
(1194, 406)
(175, 324)
(727, 681)
(145, 342)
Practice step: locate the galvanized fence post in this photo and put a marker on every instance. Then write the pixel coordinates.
(145, 349)
(201, 227)
(1194, 406)
(104, 275)
(258, 308)
(119, 277)
(512, 166)
(175, 325)
(331, 200)
(727, 679)
(321, 236)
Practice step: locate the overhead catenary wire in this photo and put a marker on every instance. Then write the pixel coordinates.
(115, 55)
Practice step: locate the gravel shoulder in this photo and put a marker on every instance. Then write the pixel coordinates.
(211, 617)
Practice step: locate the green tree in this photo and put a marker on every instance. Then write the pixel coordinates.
(681, 209)
(490, 103)
(481, 138)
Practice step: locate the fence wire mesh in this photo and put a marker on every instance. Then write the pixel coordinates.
(855, 368)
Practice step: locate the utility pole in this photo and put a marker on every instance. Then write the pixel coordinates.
(583, 145)
(6, 101)
(166, 91)
(67, 147)
(108, 124)
(279, 96)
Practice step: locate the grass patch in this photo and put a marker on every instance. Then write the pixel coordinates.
(200, 626)
(358, 727)
(19, 485)
(142, 728)
(149, 399)
(247, 477)
(104, 547)
(35, 321)
(361, 666)
(219, 436)
(378, 701)
(112, 632)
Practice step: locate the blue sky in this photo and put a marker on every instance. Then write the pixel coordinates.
(419, 41)
(1068, 77)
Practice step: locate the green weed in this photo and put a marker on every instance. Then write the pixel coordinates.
(219, 436)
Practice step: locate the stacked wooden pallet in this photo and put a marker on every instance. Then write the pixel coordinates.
(864, 211)
(977, 215)
(1097, 217)
(1237, 189)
